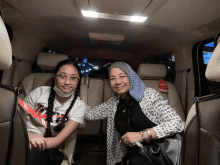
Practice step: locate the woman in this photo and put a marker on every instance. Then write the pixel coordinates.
(135, 109)
(63, 109)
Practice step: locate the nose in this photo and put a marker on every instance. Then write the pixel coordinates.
(67, 81)
(117, 81)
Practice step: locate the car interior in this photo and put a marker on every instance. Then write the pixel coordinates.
(174, 41)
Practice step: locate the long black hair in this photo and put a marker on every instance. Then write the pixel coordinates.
(51, 98)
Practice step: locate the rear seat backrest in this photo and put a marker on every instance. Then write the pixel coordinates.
(151, 74)
(93, 96)
(46, 61)
(108, 92)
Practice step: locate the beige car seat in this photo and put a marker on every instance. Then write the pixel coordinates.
(201, 143)
(14, 138)
(151, 74)
(92, 96)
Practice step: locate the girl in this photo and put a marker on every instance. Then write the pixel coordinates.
(63, 109)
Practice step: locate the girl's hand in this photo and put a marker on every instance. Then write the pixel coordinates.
(51, 143)
(37, 141)
(130, 138)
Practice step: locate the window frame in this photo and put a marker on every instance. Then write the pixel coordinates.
(201, 85)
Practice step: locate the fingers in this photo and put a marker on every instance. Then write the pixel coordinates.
(30, 146)
(39, 143)
(130, 138)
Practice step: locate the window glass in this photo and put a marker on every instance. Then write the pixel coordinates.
(213, 86)
(94, 67)
(207, 52)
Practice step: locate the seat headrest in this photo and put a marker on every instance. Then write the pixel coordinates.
(151, 71)
(5, 47)
(48, 61)
(213, 68)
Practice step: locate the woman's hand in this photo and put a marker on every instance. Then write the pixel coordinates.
(37, 141)
(130, 138)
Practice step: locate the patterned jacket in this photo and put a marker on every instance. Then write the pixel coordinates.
(153, 105)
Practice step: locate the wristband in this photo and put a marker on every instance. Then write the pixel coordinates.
(145, 137)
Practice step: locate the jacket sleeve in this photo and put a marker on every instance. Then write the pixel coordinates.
(100, 111)
(169, 122)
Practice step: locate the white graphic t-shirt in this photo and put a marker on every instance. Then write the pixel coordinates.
(38, 98)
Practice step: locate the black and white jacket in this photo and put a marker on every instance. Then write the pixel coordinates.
(153, 105)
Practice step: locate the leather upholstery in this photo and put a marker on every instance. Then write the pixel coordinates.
(203, 141)
(14, 138)
(48, 61)
(149, 71)
(93, 98)
(5, 48)
(18, 134)
(157, 73)
(108, 93)
(34, 80)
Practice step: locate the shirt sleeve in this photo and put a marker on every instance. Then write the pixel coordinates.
(169, 122)
(100, 111)
(78, 111)
(31, 100)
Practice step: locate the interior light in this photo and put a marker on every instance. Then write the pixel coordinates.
(89, 14)
(138, 19)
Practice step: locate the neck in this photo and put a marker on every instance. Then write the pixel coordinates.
(62, 100)
(124, 96)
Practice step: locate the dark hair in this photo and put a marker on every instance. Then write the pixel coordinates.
(61, 125)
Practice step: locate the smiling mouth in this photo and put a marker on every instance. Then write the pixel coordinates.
(119, 88)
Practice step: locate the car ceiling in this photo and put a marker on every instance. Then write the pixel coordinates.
(175, 22)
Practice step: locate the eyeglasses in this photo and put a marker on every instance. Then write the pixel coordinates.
(62, 78)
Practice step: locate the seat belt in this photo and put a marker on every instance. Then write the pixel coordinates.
(184, 90)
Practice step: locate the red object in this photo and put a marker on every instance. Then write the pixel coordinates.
(29, 110)
(163, 86)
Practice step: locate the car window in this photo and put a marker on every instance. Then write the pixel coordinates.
(94, 67)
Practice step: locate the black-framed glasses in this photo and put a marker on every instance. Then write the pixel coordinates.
(72, 80)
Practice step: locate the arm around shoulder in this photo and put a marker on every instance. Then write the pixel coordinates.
(100, 111)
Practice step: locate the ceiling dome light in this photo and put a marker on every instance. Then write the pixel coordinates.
(138, 19)
(89, 14)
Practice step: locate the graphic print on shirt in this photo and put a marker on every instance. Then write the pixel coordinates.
(42, 111)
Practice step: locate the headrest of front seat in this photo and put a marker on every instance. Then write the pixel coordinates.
(152, 71)
(5, 47)
(48, 61)
(213, 68)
